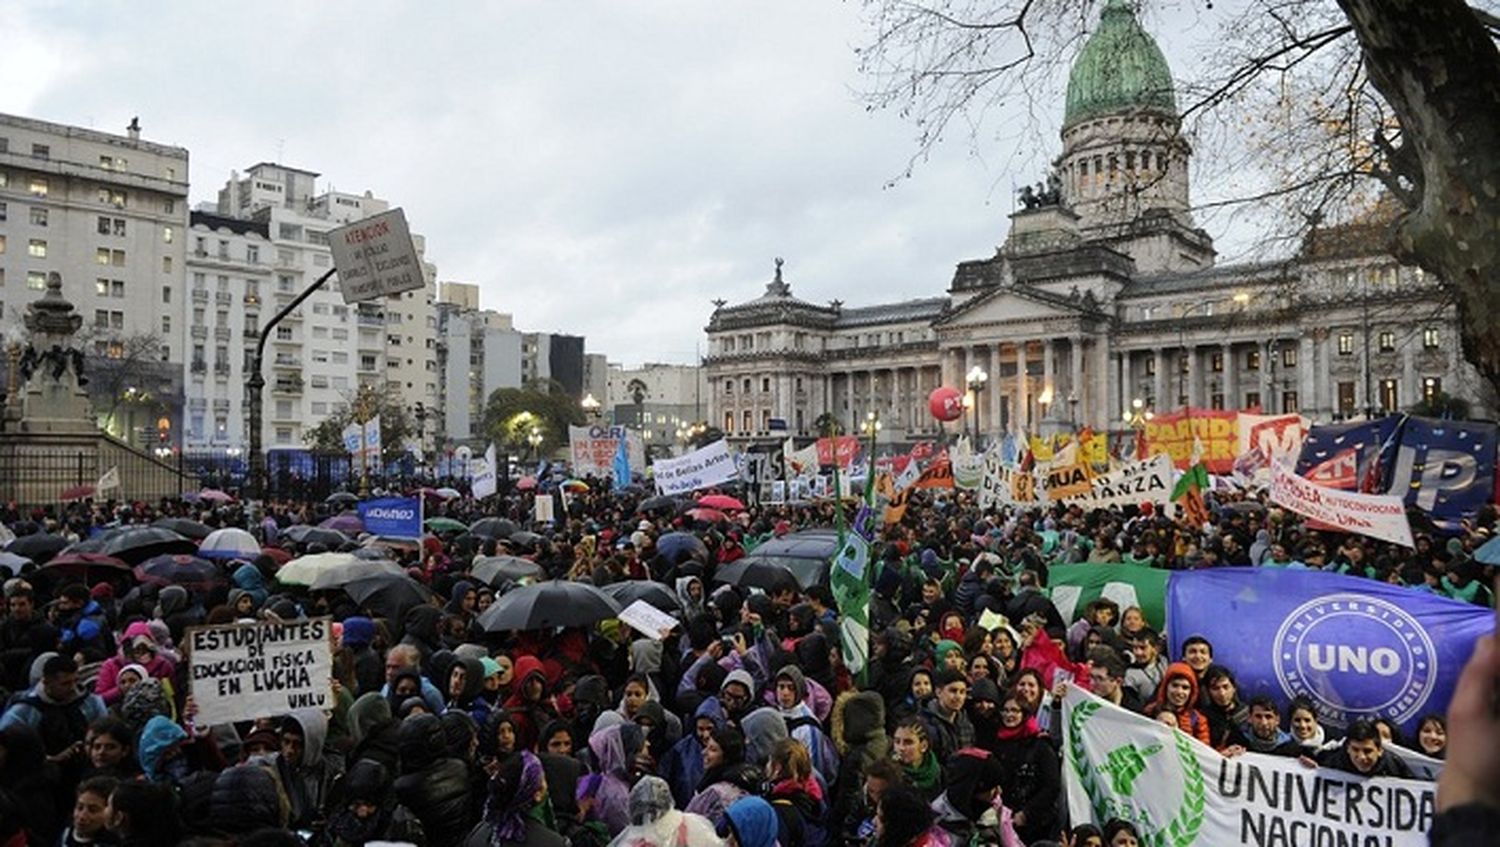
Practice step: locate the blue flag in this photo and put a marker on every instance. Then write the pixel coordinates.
(393, 517)
(1356, 648)
(621, 467)
(1444, 468)
(1346, 456)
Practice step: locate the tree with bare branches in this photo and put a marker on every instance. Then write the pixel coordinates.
(1356, 110)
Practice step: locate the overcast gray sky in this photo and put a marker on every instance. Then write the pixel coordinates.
(599, 168)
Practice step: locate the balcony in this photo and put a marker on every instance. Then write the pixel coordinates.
(223, 298)
(200, 295)
(371, 320)
(198, 366)
(251, 333)
(200, 332)
(287, 386)
(288, 362)
(221, 333)
(221, 370)
(252, 300)
(221, 405)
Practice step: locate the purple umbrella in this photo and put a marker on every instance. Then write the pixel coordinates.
(348, 523)
(190, 572)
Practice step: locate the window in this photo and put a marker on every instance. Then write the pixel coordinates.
(112, 197)
(2, 245)
(1216, 364)
(1252, 360)
(1289, 357)
(198, 314)
(166, 293)
(1217, 400)
(320, 357)
(1151, 366)
(746, 387)
(39, 186)
(166, 235)
(252, 324)
(729, 423)
(748, 421)
(1288, 402)
(283, 435)
(289, 232)
(1387, 341)
(36, 280)
(284, 283)
(1431, 387)
(252, 254)
(169, 206)
(1346, 344)
(765, 420)
(320, 332)
(221, 318)
(1389, 395)
(36, 248)
(319, 381)
(340, 334)
(101, 318)
(1430, 338)
(320, 407)
(166, 264)
(38, 215)
(41, 151)
(4, 210)
(223, 283)
(367, 362)
(1346, 399)
(101, 255)
(117, 289)
(765, 383)
(1252, 400)
(101, 287)
(166, 324)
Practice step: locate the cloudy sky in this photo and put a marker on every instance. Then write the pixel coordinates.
(601, 168)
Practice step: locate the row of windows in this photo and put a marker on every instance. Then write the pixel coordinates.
(40, 186)
(765, 384)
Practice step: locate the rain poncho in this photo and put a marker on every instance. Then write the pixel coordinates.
(613, 747)
(655, 823)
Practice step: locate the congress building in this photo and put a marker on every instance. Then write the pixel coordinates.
(1104, 298)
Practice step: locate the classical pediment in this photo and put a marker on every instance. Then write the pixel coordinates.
(1020, 304)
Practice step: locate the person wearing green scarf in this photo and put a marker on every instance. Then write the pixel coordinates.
(913, 749)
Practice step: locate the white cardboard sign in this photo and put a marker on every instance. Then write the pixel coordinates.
(647, 619)
(258, 670)
(375, 257)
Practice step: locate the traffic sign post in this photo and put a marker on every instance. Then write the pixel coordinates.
(375, 257)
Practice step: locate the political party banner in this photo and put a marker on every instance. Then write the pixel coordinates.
(846, 447)
(592, 449)
(1181, 793)
(1173, 433)
(939, 474)
(800, 463)
(485, 477)
(1444, 468)
(1005, 484)
(1130, 484)
(239, 672)
(710, 465)
(1074, 587)
(392, 517)
(1274, 436)
(1375, 515)
(1355, 647)
(354, 439)
(1060, 482)
(1345, 456)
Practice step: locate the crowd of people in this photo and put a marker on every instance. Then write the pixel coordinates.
(741, 726)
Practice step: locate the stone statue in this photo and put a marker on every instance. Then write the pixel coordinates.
(1029, 200)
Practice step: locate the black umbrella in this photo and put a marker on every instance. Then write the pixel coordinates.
(136, 544)
(549, 604)
(190, 572)
(388, 596)
(495, 571)
(38, 547)
(525, 539)
(678, 547)
(493, 528)
(342, 498)
(663, 503)
(804, 554)
(758, 573)
(655, 593)
(185, 527)
(304, 534)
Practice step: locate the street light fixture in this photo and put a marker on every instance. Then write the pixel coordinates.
(590, 405)
(1136, 417)
(534, 438)
(872, 425)
(977, 379)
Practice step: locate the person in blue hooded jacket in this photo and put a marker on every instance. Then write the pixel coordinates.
(750, 822)
(682, 766)
(248, 578)
(160, 750)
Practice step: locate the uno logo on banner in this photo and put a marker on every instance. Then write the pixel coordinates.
(1355, 656)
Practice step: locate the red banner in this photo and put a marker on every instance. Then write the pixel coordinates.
(1173, 433)
(848, 448)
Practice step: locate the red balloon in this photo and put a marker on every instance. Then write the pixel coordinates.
(946, 404)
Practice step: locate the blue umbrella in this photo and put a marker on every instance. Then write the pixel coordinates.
(1489, 554)
(678, 547)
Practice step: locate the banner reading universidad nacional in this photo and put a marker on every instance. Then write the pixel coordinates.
(1181, 793)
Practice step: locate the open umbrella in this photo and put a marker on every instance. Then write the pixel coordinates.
(525, 538)
(341, 498)
(574, 485)
(14, 565)
(526, 483)
(758, 573)
(388, 596)
(1489, 552)
(655, 593)
(1245, 507)
(493, 528)
(304, 534)
(678, 547)
(805, 554)
(76, 492)
(214, 495)
(549, 604)
(706, 515)
(136, 544)
(664, 503)
(495, 571)
(442, 525)
(190, 572)
(722, 502)
(347, 523)
(185, 527)
(277, 555)
(90, 567)
(447, 493)
(229, 543)
(333, 570)
(38, 547)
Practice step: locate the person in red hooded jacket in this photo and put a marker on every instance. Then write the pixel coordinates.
(1178, 693)
(530, 705)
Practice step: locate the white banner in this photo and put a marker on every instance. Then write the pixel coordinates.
(711, 465)
(1004, 484)
(592, 449)
(800, 463)
(1133, 483)
(485, 479)
(354, 439)
(240, 672)
(1379, 516)
(968, 466)
(372, 438)
(1179, 792)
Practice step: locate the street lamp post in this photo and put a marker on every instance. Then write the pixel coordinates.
(590, 406)
(534, 438)
(1136, 418)
(976, 381)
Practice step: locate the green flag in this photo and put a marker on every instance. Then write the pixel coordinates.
(1074, 587)
(849, 579)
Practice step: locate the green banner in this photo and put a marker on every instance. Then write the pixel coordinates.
(1074, 587)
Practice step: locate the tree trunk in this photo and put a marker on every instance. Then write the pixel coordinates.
(1439, 70)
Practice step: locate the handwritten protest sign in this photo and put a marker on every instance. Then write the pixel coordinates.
(711, 465)
(1376, 515)
(256, 670)
(647, 620)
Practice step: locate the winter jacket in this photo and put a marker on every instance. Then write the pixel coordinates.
(86, 631)
(1032, 783)
(682, 766)
(309, 783)
(433, 786)
(246, 798)
(753, 822)
(859, 735)
(107, 685)
(1189, 719)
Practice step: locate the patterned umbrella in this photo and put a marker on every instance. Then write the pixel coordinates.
(229, 543)
(190, 572)
(549, 604)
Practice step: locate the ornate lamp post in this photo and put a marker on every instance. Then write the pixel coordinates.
(1136, 418)
(977, 379)
(534, 438)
